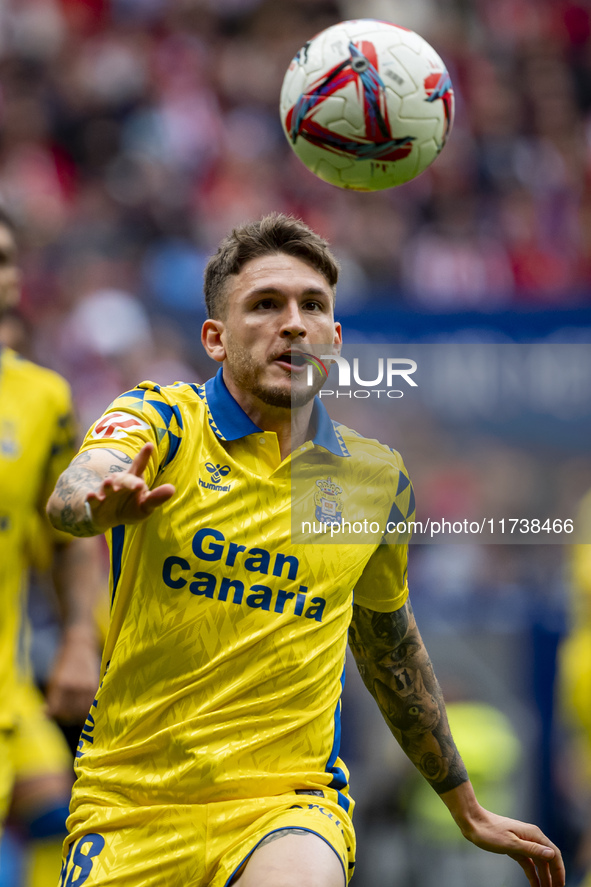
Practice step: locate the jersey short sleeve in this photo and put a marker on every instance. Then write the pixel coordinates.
(146, 414)
(383, 585)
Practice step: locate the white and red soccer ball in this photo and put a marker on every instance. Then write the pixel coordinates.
(367, 105)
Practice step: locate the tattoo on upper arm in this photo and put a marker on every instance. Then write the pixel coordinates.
(274, 836)
(396, 669)
(80, 459)
(122, 457)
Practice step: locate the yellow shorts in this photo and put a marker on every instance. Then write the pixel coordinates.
(38, 745)
(35, 747)
(192, 845)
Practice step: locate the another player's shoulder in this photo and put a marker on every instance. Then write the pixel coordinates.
(368, 449)
(34, 380)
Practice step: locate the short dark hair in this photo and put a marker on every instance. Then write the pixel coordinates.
(275, 233)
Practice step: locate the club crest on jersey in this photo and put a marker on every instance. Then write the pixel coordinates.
(117, 425)
(329, 505)
(217, 472)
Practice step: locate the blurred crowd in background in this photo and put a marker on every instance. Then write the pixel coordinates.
(135, 133)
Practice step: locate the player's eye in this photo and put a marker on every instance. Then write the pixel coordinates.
(313, 306)
(265, 304)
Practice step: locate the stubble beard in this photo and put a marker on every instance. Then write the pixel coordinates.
(246, 376)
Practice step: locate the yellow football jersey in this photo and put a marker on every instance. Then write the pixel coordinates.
(36, 444)
(224, 660)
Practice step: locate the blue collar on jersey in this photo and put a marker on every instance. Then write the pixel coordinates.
(230, 422)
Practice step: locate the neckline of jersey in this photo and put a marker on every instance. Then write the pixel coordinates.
(232, 422)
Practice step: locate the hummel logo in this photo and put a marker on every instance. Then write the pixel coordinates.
(217, 471)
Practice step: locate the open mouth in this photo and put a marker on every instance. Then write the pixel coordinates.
(296, 361)
(293, 358)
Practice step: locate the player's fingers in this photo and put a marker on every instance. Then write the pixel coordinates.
(539, 852)
(157, 497)
(140, 463)
(544, 874)
(107, 488)
(531, 841)
(114, 485)
(547, 860)
(117, 482)
(528, 867)
(98, 496)
(557, 870)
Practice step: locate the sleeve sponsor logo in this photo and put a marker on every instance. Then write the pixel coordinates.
(117, 425)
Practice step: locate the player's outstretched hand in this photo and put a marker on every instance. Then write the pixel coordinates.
(125, 498)
(539, 858)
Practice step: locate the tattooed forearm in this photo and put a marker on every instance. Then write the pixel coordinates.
(396, 669)
(71, 522)
(74, 479)
(66, 507)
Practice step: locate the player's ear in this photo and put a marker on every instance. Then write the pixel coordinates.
(211, 338)
(338, 336)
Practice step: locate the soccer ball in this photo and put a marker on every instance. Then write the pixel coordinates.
(367, 105)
